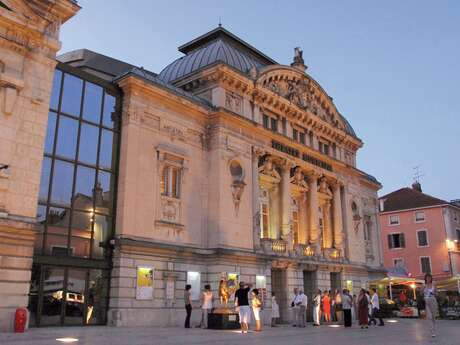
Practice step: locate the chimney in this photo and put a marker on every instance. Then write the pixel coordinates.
(382, 205)
(417, 186)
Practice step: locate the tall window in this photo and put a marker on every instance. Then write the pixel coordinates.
(170, 183)
(264, 215)
(295, 134)
(425, 264)
(76, 195)
(422, 238)
(396, 241)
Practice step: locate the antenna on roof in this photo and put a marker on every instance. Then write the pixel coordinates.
(220, 22)
(417, 175)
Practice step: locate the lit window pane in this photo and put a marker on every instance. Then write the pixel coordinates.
(67, 137)
(84, 186)
(54, 101)
(81, 233)
(101, 230)
(106, 151)
(109, 108)
(71, 95)
(92, 103)
(45, 180)
(87, 151)
(104, 203)
(62, 183)
(50, 130)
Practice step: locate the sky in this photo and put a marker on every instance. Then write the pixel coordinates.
(392, 67)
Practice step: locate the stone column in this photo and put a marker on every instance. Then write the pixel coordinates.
(313, 209)
(286, 216)
(255, 197)
(327, 229)
(338, 231)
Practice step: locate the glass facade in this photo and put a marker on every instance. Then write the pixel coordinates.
(76, 202)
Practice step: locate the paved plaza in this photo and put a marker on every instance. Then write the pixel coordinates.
(401, 332)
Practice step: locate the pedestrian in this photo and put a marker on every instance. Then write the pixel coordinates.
(354, 309)
(188, 305)
(376, 309)
(206, 305)
(275, 310)
(338, 306)
(333, 313)
(316, 308)
(242, 305)
(256, 304)
(302, 309)
(327, 307)
(347, 307)
(363, 309)
(295, 307)
(431, 305)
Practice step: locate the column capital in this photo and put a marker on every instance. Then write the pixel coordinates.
(337, 183)
(314, 174)
(286, 164)
(257, 151)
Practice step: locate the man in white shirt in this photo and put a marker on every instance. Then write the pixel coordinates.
(375, 309)
(295, 307)
(303, 302)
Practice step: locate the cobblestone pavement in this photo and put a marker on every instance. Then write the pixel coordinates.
(401, 332)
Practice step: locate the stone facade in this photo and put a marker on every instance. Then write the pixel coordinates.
(28, 45)
(225, 184)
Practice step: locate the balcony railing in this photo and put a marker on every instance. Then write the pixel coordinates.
(273, 246)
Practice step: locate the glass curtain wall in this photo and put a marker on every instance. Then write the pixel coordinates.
(76, 201)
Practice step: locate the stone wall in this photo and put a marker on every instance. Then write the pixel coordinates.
(27, 59)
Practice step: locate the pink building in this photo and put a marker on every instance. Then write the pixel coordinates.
(420, 233)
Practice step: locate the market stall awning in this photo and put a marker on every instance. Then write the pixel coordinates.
(450, 284)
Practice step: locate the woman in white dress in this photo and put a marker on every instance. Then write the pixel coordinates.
(275, 310)
(431, 305)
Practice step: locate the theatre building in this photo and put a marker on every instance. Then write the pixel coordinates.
(226, 165)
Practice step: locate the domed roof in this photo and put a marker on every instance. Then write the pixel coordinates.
(218, 45)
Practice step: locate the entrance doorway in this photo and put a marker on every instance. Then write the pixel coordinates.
(64, 296)
(336, 281)
(309, 286)
(279, 286)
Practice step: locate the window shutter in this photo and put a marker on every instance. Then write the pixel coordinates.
(402, 241)
(390, 242)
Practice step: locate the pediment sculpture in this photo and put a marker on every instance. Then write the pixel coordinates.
(301, 92)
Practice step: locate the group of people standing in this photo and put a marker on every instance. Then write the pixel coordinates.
(337, 307)
(327, 307)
